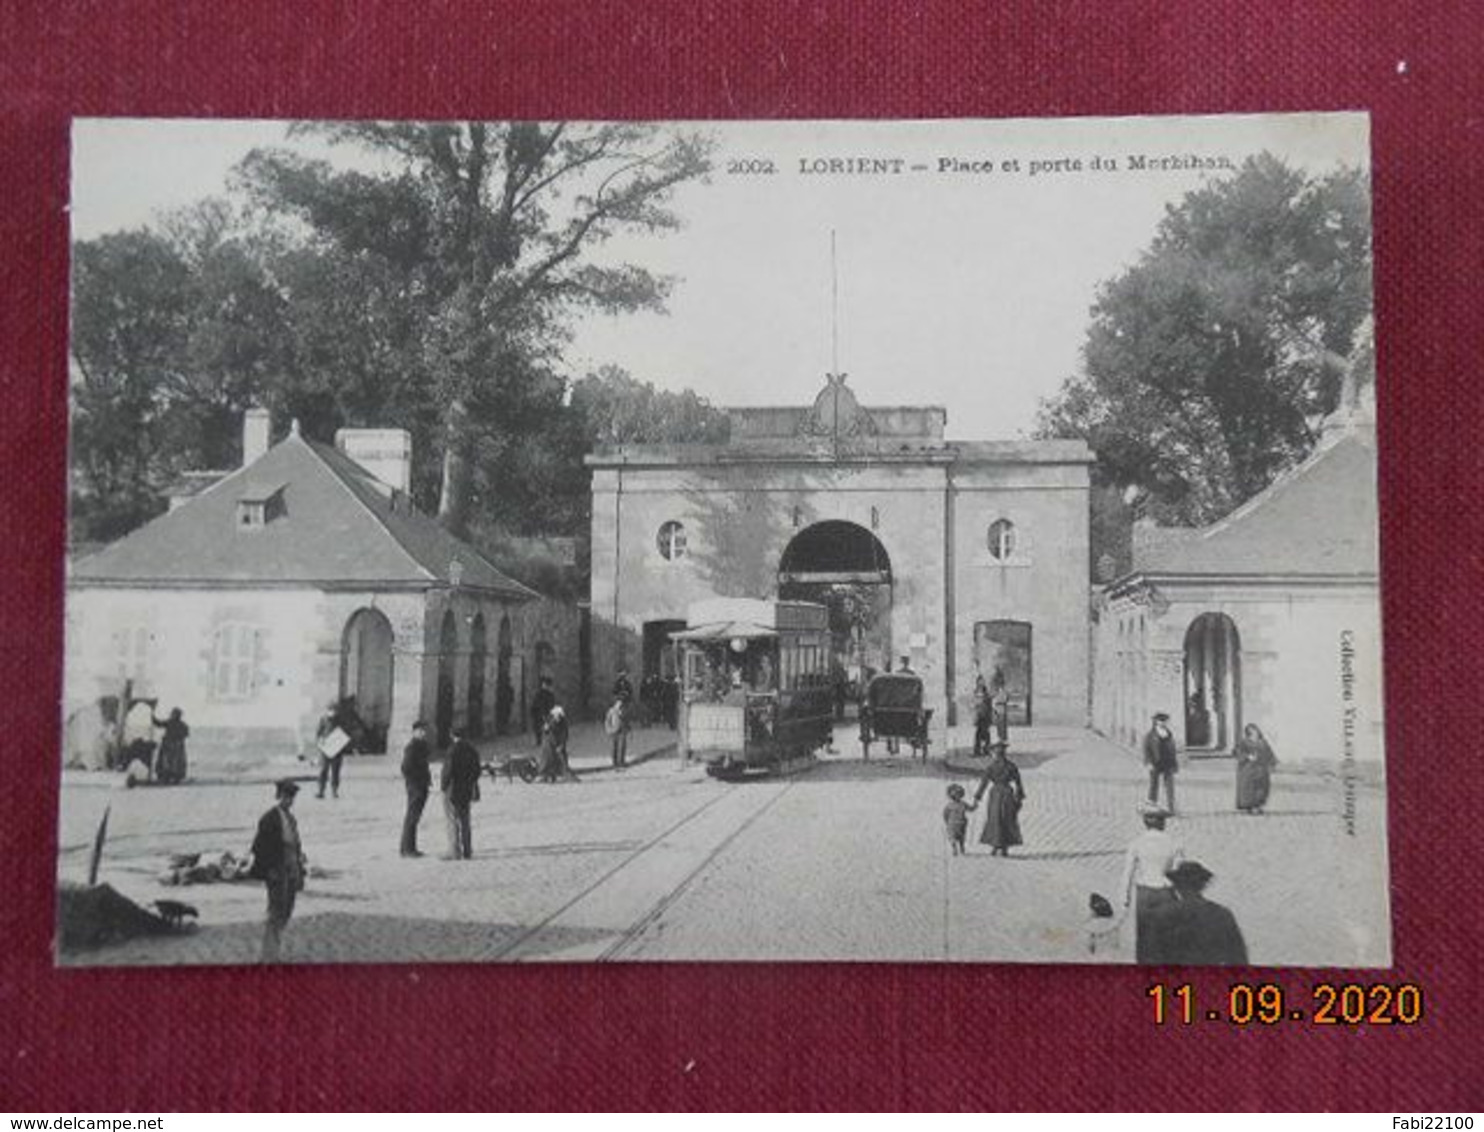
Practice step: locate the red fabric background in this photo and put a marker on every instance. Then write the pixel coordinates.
(800, 1036)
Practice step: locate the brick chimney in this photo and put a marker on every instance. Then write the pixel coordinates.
(256, 426)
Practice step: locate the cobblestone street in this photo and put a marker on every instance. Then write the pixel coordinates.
(844, 861)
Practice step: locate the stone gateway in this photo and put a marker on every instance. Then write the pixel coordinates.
(966, 558)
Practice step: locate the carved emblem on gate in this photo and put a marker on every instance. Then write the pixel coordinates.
(836, 414)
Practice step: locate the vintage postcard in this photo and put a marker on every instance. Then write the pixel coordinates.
(570, 541)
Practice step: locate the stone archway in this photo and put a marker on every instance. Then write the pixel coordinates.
(504, 689)
(478, 657)
(366, 674)
(844, 567)
(1213, 683)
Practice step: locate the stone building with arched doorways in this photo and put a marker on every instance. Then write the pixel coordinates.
(962, 556)
(1269, 617)
(301, 578)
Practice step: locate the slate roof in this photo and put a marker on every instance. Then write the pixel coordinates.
(339, 525)
(1318, 519)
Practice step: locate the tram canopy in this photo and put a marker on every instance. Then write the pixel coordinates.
(725, 630)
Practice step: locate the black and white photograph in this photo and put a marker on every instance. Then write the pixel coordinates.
(849, 541)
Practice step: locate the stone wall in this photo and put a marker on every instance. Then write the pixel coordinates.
(739, 517)
(556, 624)
(166, 641)
(525, 626)
(1042, 582)
(1310, 663)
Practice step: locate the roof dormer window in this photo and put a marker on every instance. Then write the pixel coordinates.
(257, 508)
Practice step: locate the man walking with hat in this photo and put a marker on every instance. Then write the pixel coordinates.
(278, 861)
(1161, 759)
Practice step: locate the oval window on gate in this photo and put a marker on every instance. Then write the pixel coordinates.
(1002, 539)
(671, 541)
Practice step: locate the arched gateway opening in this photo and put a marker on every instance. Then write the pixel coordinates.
(366, 674)
(1213, 683)
(844, 567)
(504, 688)
(478, 661)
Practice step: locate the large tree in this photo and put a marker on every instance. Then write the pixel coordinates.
(175, 331)
(488, 234)
(1209, 363)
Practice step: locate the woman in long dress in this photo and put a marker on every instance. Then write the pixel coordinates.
(1002, 812)
(549, 764)
(1255, 762)
(170, 765)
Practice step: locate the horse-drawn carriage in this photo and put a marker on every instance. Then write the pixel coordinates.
(892, 710)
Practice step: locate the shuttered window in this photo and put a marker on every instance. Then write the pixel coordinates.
(234, 661)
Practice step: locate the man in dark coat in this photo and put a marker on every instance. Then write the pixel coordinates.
(1161, 760)
(1191, 930)
(999, 698)
(278, 861)
(541, 704)
(418, 779)
(983, 717)
(623, 689)
(460, 784)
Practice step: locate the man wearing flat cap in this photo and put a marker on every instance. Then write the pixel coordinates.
(417, 776)
(1193, 930)
(278, 861)
(1161, 760)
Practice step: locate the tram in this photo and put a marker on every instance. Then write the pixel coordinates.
(756, 690)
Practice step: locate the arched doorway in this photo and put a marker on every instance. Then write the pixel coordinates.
(504, 690)
(478, 658)
(448, 647)
(844, 567)
(366, 674)
(1213, 683)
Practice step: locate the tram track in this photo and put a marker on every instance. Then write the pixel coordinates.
(630, 937)
(512, 951)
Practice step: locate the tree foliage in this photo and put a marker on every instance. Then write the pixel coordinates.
(534, 482)
(618, 409)
(488, 231)
(430, 287)
(174, 334)
(1209, 363)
